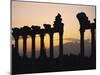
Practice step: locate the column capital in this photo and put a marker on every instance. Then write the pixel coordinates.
(61, 33)
(33, 35)
(51, 34)
(24, 37)
(16, 37)
(42, 35)
(82, 30)
(92, 29)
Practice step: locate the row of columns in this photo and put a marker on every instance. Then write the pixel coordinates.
(93, 42)
(84, 25)
(42, 48)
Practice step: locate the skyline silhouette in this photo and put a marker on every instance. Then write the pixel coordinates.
(48, 47)
(30, 63)
(34, 30)
(23, 14)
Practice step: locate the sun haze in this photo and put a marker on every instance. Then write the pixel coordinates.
(30, 13)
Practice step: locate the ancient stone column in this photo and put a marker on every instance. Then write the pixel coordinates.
(42, 50)
(82, 42)
(61, 43)
(33, 46)
(51, 45)
(93, 42)
(24, 45)
(16, 43)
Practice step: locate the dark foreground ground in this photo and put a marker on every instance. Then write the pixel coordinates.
(24, 65)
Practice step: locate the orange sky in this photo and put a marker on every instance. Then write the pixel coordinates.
(30, 13)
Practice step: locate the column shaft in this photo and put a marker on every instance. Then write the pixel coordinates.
(16, 45)
(61, 44)
(42, 50)
(24, 46)
(93, 43)
(82, 42)
(51, 45)
(33, 46)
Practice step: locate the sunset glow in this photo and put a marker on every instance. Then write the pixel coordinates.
(30, 13)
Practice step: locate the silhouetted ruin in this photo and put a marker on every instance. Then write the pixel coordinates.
(23, 64)
(84, 25)
(34, 30)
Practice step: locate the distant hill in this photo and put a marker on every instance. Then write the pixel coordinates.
(69, 48)
(72, 48)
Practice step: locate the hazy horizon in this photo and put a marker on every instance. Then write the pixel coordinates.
(30, 13)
